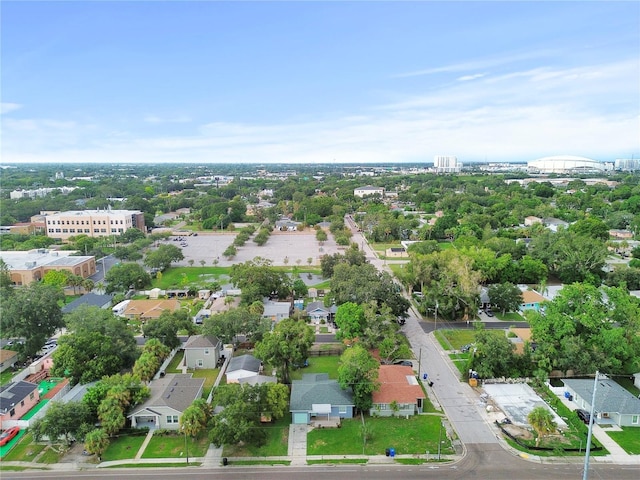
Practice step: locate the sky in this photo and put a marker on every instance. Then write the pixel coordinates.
(318, 82)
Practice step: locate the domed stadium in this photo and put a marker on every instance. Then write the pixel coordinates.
(565, 164)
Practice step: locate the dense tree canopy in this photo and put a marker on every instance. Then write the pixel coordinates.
(227, 326)
(258, 279)
(32, 312)
(121, 278)
(358, 371)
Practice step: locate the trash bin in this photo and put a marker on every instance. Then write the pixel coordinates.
(225, 461)
(570, 398)
(392, 452)
(387, 451)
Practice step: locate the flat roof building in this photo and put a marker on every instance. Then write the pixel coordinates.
(32, 265)
(93, 223)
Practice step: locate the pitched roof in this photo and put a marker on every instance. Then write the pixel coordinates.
(176, 391)
(316, 306)
(317, 388)
(397, 383)
(529, 296)
(201, 341)
(91, 299)
(7, 355)
(244, 362)
(150, 308)
(14, 393)
(610, 396)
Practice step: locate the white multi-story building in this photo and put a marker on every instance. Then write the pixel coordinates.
(93, 223)
(368, 190)
(627, 164)
(38, 192)
(446, 164)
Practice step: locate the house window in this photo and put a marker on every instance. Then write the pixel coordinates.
(31, 395)
(342, 409)
(200, 363)
(12, 412)
(634, 419)
(22, 403)
(172, 419)
(206, 351)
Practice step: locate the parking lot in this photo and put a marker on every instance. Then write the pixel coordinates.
(282, 248)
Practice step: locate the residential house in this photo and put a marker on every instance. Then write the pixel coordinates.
(531, 301)
(16, 399)
(554, 224)
(396, 252)
(242, 367)
(170, 396)
(531, 220)
(149, 309)
(318, 313)
(90, 299)
(257, 380)
(202, 351)
(621, 234)
(522, 337)
(368, 190)
(399, 393)
(8, 359)
(277, 311)
(318, 397)
(614, 404)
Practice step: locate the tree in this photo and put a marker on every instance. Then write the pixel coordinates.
(122, 277)
(111, 415)
(541, 419)
(165, 328)
(494, 354)
(63, 419)
(56, 278)
(96, 442)
(506, 297)
(591, 227)
(358, 370)
(288, 344)
(258, 279)
(195, 417)
(163, 257)
(274, 400)
(227, 326)
(32, 312)
(350, 321)
(300, 288)
(98, 344)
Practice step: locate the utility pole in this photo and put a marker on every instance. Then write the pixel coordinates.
(585, 473)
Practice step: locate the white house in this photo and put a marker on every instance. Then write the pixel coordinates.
(243, 366)
(170, 397)
(202, 351)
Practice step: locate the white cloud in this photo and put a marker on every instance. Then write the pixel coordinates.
(177, 119)
(6, 107)
(466, 78)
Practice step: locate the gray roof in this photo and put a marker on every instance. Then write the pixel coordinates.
(316, 306)
(13, 393)
(91, 299)
(202, 341)
(176, 391)
(610, 396)
(244, 362)
(257, 380)
(317, 388)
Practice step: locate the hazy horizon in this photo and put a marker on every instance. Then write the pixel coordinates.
(211, 82)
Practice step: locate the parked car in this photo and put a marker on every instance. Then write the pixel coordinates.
(489, 313)
(8, 435)
(583, 415)
(404, 363)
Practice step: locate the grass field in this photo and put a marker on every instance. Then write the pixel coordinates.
(25, 450)
(123, 447)
(209, 376)
(509, 317)
(415, 435)
(276, 446)
(176, 277)
(175, 361)
(628, 438)
(173, 446)
(327, 364)
(456, 339)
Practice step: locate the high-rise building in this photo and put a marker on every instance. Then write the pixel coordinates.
(446, 164)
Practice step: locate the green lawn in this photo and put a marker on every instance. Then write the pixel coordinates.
(509, 317)
(456, 339)
(276, 446)
(51, 455)
(628, 438)
(173, 446)
(6, 376)
(328, 364)
(176, 277)
(175, 361)
(415, 435)
(460, 360)
(25, 450)
(123, 447)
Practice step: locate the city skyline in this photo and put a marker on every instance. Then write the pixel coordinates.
(318, 82)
